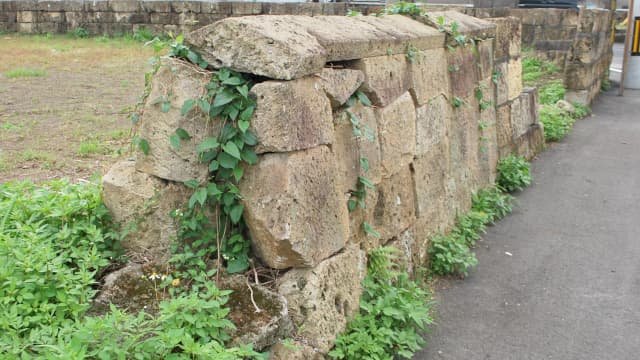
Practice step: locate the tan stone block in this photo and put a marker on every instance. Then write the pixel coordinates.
(386, 77)
(508, 37)
(340, 84)
(175, 82)
(142, 203)
(26, 16)
(394, 210)
(295, 351)
(428, 72)
(432, 123)
(467, 25)
(291, 115)
(502, 88)
(464, 136)
(271, 46)
(485, 58)
(463, 70)
(405, 245)
(397, 134)
(514, 78)
(295, 214)
(430, 175)
(26, 28)
(323, 299)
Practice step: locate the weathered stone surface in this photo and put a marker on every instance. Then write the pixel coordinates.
(128, 288)
(488, 145)
(397, 133)
(291, 115)
(357, 234)
(514, 78)
(294, 211)
(349, 148)
(394, 210)
(508, 37)
(321, 300)
(261, 329)
(502, 87)
(271, 46)
(340, 84)
(467, 25)
(386, 77)
(143, 204)
(361, 37)
(296, 350)
(404, 243)
(546, 17)
(566, 106)
(464, 136)
(485, 58)
(176, 82)
(464, 72)
(430, 174)
(432, 123)
(124, 5)
(428, 75)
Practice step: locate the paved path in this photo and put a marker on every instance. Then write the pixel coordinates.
(571, 289)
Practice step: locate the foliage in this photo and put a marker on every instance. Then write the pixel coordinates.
(457, 102)
(551, 93)
(406, 8)
(80, 32)
(450, 254)
(17, 73)
(606, 84)
(493, 202)
(557, 122)
(581, 110)
(54, 238)
(513, 173)
(479, 95)
(533, 69)
(470, 226)
(393, 313)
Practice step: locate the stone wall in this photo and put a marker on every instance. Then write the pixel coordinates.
(436, 138)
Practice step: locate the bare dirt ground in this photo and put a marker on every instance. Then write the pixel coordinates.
(64, 104)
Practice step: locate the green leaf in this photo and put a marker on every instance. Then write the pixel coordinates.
(238, 171)
(369, 230)
(165, 107)
(157, 100)
(174, 139)
(144, 146)
(192, 184)
(237, 265)
(236, 213)
(234, 81)
(364, 164)
(249, 138)
(135, 118)
(212, 189)
(363, 98)
(351, 205)
(227, 161)
(187, 106)
(223, 98)
(183, 134)
(232, 149)
(249, 156)
(193, 57)
(228, 198)
(243, 125)
(213, 165)
(247, 113)
(204, 105)
(366, 182)
(208, 144)
(243, 90)
(201, 195)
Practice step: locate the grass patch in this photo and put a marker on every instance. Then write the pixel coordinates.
(92, 147)
(533, 69)
(20, 73)
(33, 155)
(551, 93)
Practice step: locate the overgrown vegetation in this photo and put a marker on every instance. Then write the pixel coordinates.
(551, 93)
(514, 173)
(557, 122)
(533, 69)
(394, 311)
(20, 73)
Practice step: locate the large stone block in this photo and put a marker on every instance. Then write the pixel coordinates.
(124, 5)
(546, 17)
(294, 211)
(271, 46)
(404, 243)
(349, 148)
(464, 72)
(464, 136)
(175, 82)
(514, 78)
(485, 58)
(397, 134)
(386, 77)
(27, 16)
(508, 37)
(430, 175)
(394, 210)
(467, 25)
(142, 203)
(323, 299)
(432, 123)
(340, 84)
(291, 115)
(428, 75)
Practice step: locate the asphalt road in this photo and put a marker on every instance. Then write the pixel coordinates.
(571, 287)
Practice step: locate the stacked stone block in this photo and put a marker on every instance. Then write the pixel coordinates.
(426, 156)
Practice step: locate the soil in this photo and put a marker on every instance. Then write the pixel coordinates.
(73, 121)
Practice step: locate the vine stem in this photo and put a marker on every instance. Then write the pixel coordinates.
(252, 300)
(218, 245)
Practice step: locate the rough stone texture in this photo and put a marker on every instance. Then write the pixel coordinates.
(508, 37)
(127, 288)
(397, 133)
(432, 123)
(271, 46)
(463, 70)
(321, 300)
(340, 84)
(524, 112)
(404, 243)
(176, 82)
(299, 351)
(467, 25)
(485, 58)
(386, 77)
(514, 78)
(281, 195)
(502, 86)
(428, 75)
(488, 145)
(349, 148)
(394, 210)
(144, 203)
(357, 234)
(430, 174)
(362, 37)
(291, 115)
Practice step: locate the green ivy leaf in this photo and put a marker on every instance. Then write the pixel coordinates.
(249, 138)
(201, 195)
(208, 144)
(187, 106)
(238, 171)
(233, 81)
(174, 139)
(351, 205)
(247, 113)
(243, 90)
(192, 184)
(212, 189)
(223, 98)
(165, 107)
(366, 182)
(249, 156)
(236, 213)
(228, 198)
(183, 134)
(237, 265)
(213, 166)
(243, 125)
(144, 146)
(364, 164)
(363, 98)
(369, 230)
(204, 105)
(232, 149)
(193, 57)
(227, 161)
(135, 118)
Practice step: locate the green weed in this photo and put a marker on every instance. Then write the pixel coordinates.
(557, 122)
(582, 110)
(92, 147)
(514, 173)
(18, 73)
(551, 93)
(450, 254)
(493, 202)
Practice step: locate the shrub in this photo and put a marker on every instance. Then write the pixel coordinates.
(557, 122)
(393, 313)
(493, 202)
(80, 32)
(582, 110)
(513, 173)
(450, 254)
(551, 93)
(471, 226)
